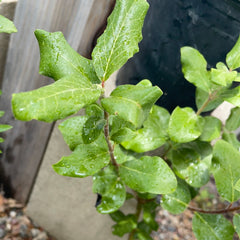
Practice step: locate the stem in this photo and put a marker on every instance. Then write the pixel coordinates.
(137, 214)
(209, 99)
(219, 211)
(107, 137)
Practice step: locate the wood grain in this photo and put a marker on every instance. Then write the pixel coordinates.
(25, 144)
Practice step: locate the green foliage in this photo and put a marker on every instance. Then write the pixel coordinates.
(6, 25)
(110, 142)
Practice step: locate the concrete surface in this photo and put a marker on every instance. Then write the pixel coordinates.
(65, 206)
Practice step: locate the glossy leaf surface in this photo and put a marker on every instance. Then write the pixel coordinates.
(148, 174)
(231, 138)
(111, 188)
(194, 67)
(184, 125)
(177, 201)
(188, 165)
(223, 77)
(226, 170)
(58, 59)
(85, 160)
(132, 102)
(92, 129)
(6, 25)
(120, 40)
(233, 57)
(56, 101)
(212, 227)
(211, 129)
(152, 135)
(71, 130)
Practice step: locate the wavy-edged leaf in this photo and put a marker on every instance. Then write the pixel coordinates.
(185, 125)
(151, 136)
(211, 129)
(233, 57)
(6, 25)
(233, 121)
(120, 40)
(236, 223)
(132, 102)
(212, 227)
(148, 174)
(111, 188)
(4, 127)
(85, 160)
(226, 170)
(58, 59)
(56, 101)
(177, 201)
(194, 67)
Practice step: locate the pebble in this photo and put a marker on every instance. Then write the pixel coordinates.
(2, 233)
(35, 232)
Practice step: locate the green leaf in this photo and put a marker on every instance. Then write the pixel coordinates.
(132, 102)
(4, 127)
(236, 223)
(184, 125)
(232, 96)
(231, 138)
(212, 227)
(71, 130)
(58, 59)
(148, 174)
(125, 226)
(122, 155)
(56, 101)
(92, 129)
(86, 159)
(6, 25)
(223, 77)
(142, 235)
(194, 67)
(211, 129)
(177, 201)
(226, 170)
(111, 188)
(1, 140)
(190, 166)
(94, 110)
(149, 214)
(120, 40)
(233, 57)
(237, 185)
(233, 121)
(117, 216)
(151, 136)
(202, 97)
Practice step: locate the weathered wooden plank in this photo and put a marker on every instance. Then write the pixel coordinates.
(26, 142)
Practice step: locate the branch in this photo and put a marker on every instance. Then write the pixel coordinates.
(107, 137)
(219, 211)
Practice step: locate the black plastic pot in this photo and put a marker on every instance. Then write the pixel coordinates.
(211, 26)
